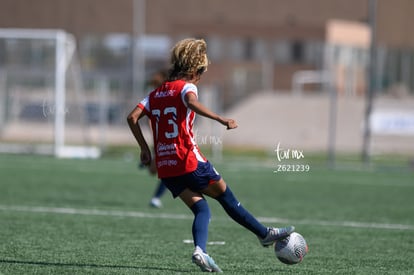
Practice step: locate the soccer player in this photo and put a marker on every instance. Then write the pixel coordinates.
(180, 165)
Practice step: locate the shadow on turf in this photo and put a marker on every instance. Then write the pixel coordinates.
(40, 263)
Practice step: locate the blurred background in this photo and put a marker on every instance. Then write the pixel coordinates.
(326, 76)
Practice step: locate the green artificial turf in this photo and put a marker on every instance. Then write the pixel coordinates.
(92, 217)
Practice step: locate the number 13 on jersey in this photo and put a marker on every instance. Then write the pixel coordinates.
(169, 113)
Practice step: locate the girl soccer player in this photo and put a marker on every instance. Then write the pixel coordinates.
(181, 166)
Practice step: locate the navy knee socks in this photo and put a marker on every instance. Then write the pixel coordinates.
(233, 208)
(160, 190)
(200, 224)
(237, 212)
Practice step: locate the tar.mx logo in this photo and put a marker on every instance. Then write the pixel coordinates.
(290, 157)
(49, 109)
(207, 139)
(288, 153)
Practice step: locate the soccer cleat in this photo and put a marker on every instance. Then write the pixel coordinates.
(274, 234)
(156, 203)
(204, 261)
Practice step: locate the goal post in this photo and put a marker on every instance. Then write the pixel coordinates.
(63, 54)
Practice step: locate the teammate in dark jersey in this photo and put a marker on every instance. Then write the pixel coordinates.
(180, 164)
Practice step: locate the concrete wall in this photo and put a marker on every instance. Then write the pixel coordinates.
(303, 122)
(264, 119)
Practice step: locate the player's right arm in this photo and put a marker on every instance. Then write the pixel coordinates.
(195, 105)
(133, 122)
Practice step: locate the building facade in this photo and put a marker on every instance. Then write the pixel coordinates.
(255, 45)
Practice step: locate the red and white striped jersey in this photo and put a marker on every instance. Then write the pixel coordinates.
(176, 151)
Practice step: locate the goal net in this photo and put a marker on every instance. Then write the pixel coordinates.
(42, 104)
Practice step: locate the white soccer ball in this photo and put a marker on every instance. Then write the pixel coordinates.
(292, 249)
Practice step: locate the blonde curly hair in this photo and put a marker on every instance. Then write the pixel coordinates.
(188, 57)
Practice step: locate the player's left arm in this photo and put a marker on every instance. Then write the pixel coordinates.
(133, 122)
(195, 105)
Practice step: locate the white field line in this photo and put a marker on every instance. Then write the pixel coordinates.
(92, 212)
(134, 214)
(341, 223)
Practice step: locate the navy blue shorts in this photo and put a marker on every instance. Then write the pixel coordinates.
(197, 180)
